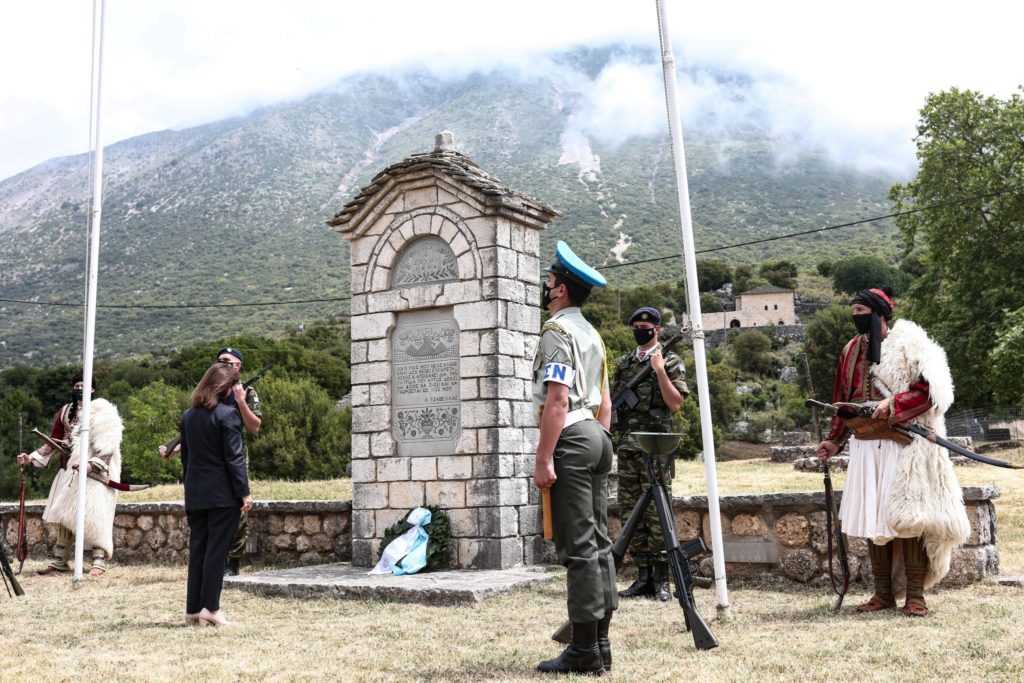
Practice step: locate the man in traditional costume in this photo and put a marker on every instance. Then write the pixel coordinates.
(574, 457)
(103, 463)
(902, 497)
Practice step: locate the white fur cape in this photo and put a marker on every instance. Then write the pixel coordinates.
(926, 499)
(105, 428)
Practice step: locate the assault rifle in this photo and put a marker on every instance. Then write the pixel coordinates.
(626, 396)
(173, 443)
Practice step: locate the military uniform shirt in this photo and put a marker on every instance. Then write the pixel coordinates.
(651, 411)
(570, 352)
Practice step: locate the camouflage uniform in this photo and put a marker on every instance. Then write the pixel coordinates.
(237, 550)
(649, 415)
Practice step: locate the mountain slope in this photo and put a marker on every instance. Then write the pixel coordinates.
(234, 211)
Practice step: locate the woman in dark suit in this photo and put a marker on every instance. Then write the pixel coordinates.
(216, 489)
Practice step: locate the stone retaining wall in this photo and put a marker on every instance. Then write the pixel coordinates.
(780, 533)
(785, 533)
(280, 532)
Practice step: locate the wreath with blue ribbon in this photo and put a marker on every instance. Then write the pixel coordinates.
(439, 535)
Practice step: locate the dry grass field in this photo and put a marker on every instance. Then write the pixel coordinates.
(126, 626)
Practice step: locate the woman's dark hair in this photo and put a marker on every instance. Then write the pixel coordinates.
(214, 385)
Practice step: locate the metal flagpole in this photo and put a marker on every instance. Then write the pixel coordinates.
(93, 262)
(693, 303)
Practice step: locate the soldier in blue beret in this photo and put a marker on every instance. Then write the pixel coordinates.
(574, 457)
(661, 394)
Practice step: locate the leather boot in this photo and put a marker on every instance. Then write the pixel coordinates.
(642, 587)
(604, 645)
(581, 656)
(232, 568)
(660, 582)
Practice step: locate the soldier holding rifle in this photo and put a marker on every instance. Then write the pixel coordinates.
(574, 457)
(900, 492)
(659, 394)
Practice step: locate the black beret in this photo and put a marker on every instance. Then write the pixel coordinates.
(645, 315)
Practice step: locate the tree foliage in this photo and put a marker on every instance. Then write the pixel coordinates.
(712, 274)
(824, 340)
(752, 352)
(150, 419)
(308, 437)
(864, 272)
(1008, 360)
(971, 156)
(779, 273)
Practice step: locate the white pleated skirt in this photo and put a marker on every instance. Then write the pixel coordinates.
(868, 490)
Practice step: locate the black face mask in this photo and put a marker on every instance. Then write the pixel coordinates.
(643, 336)
(863, 322)
(76, 395)
(545, 296)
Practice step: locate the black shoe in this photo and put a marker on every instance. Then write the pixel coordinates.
(575, 659)
(660, 587)
(232, 567)
(642, 587)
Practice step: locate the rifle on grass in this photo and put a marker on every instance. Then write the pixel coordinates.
(626, 396)
(173, 443)
(831, 512)
(857, 416)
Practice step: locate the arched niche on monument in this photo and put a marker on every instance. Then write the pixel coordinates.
(426, 261)
(426, 413)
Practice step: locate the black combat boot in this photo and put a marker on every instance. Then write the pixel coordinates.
(642, 587)
(603, 644)
(232, 568)
(660, 580)
(580, 657)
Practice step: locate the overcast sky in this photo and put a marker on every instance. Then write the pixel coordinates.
(850, 76)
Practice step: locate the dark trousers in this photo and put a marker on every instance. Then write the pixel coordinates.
(210, 535)
(579, 513)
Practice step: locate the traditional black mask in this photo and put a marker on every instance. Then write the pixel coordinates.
(643, 335)
(863, 322)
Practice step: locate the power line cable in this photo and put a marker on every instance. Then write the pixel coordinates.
(817, 230)
(62, 304)
(908, 212)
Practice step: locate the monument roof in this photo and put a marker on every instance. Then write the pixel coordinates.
(462, 170)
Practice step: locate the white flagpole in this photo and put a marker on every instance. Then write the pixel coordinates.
(693, 303)
(93, 262)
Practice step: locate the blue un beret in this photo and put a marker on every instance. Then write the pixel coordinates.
(645, 315)
(570, 265)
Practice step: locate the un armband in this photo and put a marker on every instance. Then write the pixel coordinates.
(559, 372)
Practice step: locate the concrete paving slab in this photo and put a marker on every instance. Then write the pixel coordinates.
(342, 580)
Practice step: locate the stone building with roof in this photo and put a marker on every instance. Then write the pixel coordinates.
(759, 307)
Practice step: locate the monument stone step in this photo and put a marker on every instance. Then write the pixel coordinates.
(342, 580)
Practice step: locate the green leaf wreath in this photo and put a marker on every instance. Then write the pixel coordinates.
(439, 534)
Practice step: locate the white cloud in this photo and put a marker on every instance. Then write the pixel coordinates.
(852, 76)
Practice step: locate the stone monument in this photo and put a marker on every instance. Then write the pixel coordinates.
(445, 277)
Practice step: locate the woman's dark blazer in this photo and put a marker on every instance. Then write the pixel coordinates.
(213, 458)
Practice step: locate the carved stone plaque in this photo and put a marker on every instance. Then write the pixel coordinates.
(427, 261)
(425, 383)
